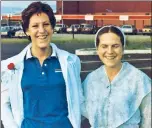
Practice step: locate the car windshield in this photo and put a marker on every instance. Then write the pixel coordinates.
(86, 25)
(89, 26)
(59, 25)
(12, 28)
(147, 26)
(82, 25)
(5, 28)
(126, 26)
(74, 25)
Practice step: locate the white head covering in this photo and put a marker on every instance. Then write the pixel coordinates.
(114, 27)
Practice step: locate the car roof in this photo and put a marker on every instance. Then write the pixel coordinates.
(147, 26)
(127, 25)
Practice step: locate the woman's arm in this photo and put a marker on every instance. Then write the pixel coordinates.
(145, 109)
(82, 101)
(6, 111)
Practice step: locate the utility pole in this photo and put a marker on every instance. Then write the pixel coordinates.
(62, 13)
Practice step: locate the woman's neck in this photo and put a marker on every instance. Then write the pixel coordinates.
(113, 71)
(41, 53)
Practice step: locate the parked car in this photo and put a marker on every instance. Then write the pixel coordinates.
(75, 27)
(147, 30)
(129, 29)
(20, 34)
(88, 28)
(7, 31)
(18, 27)
(60, 28)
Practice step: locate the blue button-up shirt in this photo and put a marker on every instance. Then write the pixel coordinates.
(44, 93)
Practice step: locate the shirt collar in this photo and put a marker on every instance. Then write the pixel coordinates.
(29, 54)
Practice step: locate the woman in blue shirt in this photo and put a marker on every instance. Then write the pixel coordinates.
(41, 86)
(117, 95)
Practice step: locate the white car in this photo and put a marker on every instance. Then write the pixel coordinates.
(129, 29)
(7, 31)
(75, 27)
(147, 30)
(60, 28)
(20, 34)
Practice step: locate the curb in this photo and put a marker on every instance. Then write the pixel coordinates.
(92, 51)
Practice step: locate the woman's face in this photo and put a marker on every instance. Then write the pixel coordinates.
(40, 30)
(110, 50)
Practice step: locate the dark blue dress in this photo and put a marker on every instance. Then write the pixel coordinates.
(44, 95)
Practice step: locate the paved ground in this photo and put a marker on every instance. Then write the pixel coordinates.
(92, 62)
(8, 50)
(89, 63)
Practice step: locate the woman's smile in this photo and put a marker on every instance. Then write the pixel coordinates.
(42, 36)
(110, 57)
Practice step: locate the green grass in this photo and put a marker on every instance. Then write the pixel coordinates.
(57, 38)
(68, 38)
(132, 41)
(138, 42)
(14, 40)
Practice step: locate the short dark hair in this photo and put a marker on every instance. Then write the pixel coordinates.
(107, 29)
(36, 8)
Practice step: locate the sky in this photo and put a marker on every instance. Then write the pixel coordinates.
(22, 4)
(8, 7)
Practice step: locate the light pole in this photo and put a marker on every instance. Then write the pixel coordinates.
(8, 23)
(9, 19)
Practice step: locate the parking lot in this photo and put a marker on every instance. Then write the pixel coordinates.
(17, 31)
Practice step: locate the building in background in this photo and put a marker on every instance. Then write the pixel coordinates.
(107, 8)
(98, 13)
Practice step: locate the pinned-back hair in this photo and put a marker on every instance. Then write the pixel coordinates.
(110, 28)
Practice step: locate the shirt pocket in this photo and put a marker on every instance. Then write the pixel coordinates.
(58, 77)
(58, 71)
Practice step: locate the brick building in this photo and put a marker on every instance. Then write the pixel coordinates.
(135, 8)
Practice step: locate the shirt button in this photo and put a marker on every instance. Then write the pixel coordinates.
(43, 73)
(45, 65)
